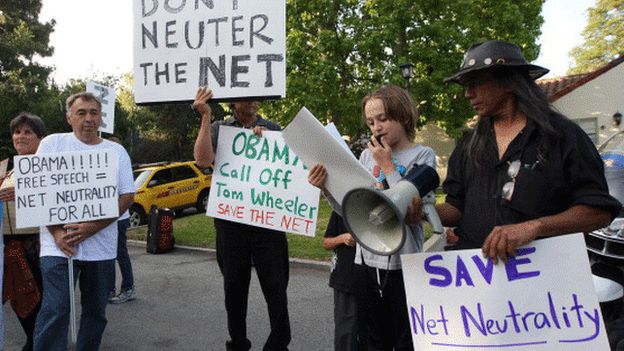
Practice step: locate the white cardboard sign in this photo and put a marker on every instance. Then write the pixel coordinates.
(236, 47)
(107, 97)
(543, 299)
(307, 137)
(261, 182)
(65, 187)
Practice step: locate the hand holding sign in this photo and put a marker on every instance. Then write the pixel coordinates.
(317, 176)
(261, 182)
(201, 102)
(541, 299)
(503, 240)
(63, 239)
(7, 194)
(66, 187)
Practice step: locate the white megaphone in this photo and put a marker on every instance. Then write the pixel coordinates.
(377, 218)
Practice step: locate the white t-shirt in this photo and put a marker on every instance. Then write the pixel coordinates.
(416, 155)
(102, 245)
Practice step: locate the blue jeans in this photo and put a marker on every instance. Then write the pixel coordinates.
(52, 324)
(125, 266)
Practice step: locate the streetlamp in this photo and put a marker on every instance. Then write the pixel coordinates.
(407, 71)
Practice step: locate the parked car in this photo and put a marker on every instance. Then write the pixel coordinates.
(612, 154)
(173, 185)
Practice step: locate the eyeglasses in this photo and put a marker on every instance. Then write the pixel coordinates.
(512, 172)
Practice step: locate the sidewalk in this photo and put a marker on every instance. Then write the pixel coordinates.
(300, 262)
(180, 306)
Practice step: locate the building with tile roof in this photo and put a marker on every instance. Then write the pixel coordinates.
(591, 99)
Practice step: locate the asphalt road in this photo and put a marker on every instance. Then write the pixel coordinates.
(180, 307)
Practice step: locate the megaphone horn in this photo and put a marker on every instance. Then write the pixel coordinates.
(377, 218)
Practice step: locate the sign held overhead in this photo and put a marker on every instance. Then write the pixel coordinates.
(236, 47)
(107, 97)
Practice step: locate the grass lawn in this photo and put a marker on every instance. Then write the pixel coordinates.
(198, 230)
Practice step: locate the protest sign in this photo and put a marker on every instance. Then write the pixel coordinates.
(107, 97)
(317, 144)
(4, 164)
(261, 182)
(543, 299)
(235, 47)
(65, 187)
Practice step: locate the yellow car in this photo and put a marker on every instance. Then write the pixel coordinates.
(173, 185)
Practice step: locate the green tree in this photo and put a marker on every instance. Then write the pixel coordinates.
(603, 37)
(23, 82)
(163, 132)
(338, 51)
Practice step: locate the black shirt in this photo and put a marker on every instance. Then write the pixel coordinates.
(341, 277)
(569, 173)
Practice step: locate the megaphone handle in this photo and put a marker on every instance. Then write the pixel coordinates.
(431, 214)
(432, 217)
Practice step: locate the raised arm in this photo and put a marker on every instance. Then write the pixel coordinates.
(203, 152)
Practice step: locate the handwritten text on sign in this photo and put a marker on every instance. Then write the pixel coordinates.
(261, 182)
(543, 299)
(237, 47)
(107, 99)
(65, 187)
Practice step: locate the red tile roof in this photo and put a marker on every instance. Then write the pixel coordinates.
(559, 86)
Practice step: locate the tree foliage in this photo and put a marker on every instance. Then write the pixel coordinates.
(338, 51)
(23, 82)
(164, 132)
(603, 37)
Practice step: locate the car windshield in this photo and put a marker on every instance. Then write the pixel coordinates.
(140, 176)
(614, 145)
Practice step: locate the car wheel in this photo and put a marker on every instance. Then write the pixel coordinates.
(202, 200)
(137, 216)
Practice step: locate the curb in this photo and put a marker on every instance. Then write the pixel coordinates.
(299, 262)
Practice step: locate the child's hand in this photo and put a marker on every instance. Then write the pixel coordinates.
(414, 212)
(317, 176)
(382, 154)
(347, 239)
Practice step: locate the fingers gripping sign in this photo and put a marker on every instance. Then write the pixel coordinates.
(201, 101)
(257, 131)
(504, 240)
(317, 176)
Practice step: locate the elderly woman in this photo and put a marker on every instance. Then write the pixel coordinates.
(22, 275)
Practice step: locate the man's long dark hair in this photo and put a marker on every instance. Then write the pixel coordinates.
(530, 100)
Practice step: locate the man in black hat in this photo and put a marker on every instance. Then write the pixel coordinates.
(525, 171)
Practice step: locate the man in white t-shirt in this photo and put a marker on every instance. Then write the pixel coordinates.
(93, 244)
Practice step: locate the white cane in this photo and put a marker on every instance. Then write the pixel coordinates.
(72, 299)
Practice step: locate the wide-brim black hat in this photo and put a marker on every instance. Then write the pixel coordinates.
(495, 53)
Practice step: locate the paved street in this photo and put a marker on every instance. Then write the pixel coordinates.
(180, 307)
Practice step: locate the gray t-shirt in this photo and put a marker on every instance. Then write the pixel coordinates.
(416, 155)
